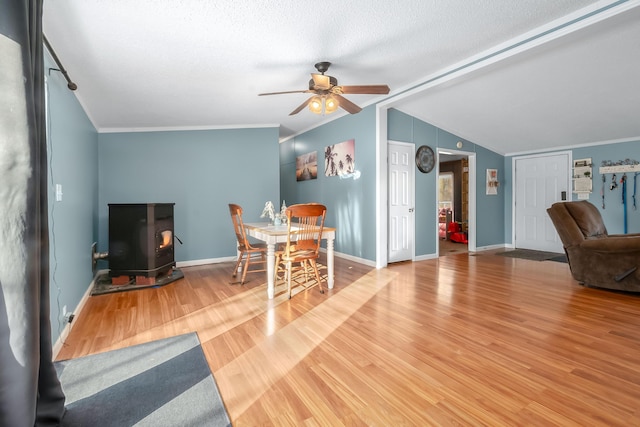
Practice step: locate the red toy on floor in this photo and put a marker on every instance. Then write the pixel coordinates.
(458, 237)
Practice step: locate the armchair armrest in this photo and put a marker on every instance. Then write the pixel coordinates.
(623, 244)
(625, 235)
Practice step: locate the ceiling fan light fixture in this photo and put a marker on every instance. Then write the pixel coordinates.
(315, 105)
(330, 104)
(327, 96)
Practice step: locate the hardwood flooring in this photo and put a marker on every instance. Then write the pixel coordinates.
(447, 247)
(461, 340)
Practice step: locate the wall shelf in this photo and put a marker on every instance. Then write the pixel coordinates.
(619, 169)
(582, 183)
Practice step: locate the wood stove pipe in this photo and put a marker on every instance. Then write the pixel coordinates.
(95, 256)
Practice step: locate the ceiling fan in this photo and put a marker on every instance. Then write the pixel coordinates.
(328, 95)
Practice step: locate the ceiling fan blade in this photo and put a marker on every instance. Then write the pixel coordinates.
(280, 93)
(321, 82)
(347, 105)
(365, 89)
(301, 107)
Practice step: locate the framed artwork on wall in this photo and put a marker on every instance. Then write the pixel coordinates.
(492, 181)
(339, 159)
(307, 166)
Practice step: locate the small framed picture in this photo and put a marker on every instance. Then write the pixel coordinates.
(492, 181)
(307, 166)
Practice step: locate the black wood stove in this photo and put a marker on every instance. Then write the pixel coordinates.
(141, 239)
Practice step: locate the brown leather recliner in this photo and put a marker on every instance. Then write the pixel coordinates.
(595, 257)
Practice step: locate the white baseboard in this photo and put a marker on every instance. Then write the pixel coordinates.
(196, 262)
(76, 315)
(492, 247)
(351, 258)
(426, 257)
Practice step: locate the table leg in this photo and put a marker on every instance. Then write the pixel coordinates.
(271, 262)
(330, 263)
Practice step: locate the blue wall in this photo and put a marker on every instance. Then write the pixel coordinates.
(200, 171)
(490, 215)
(73, 161)
(350, 201)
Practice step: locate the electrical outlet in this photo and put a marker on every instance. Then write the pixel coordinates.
(58, 192)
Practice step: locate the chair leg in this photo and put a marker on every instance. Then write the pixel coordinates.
(315, 269)
(275, 269)
(303, 265)
(235, 269)
(245, 269)
(289, 278)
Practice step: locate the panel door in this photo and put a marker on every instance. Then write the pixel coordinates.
(540, 182)
(401, 201)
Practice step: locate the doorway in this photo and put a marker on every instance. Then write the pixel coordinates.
(453, 203)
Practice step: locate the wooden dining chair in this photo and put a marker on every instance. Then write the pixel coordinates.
(305, 223)
(253, 253)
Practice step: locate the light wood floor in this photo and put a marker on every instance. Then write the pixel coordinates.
(462, 340)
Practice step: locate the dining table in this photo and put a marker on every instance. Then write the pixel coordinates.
(274, 234)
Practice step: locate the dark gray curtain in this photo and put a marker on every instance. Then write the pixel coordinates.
(30, 393)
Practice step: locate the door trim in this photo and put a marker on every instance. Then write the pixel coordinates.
(471, 236)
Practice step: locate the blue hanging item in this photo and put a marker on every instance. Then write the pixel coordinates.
(635, 175)
(623, 181)
(604, 180)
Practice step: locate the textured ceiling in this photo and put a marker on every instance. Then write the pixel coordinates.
(200, 64)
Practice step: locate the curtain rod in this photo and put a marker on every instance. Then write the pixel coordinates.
(70, 84)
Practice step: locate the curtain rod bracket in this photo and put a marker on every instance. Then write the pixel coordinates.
(70, 84)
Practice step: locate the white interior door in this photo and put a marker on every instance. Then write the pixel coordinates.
(401, 178)
(539, 182)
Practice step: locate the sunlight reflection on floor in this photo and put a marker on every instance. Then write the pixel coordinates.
(242, 382)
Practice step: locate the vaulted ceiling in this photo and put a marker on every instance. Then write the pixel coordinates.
(511, 76)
